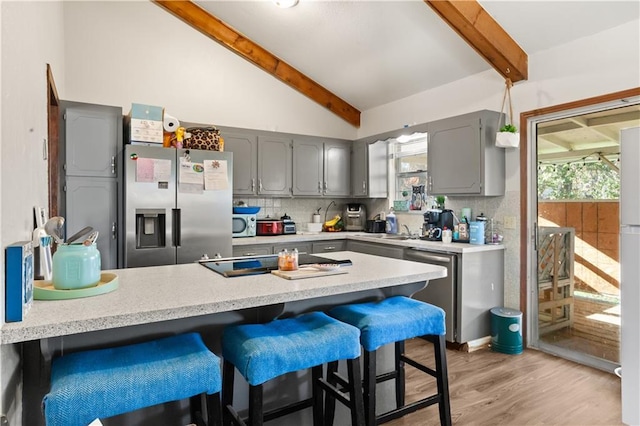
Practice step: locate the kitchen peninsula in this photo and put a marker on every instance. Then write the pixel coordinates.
(163, 300)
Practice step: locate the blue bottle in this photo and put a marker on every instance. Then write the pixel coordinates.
(392, 223)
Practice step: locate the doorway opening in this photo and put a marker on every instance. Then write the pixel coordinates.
(573, 209)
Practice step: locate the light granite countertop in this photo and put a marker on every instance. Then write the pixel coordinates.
(367, 237)
(161, 293)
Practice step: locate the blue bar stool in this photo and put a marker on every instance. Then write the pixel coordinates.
(394, 320)
(107, 382)
(261, 352)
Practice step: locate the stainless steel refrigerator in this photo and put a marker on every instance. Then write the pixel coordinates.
(177, 205)
(630, 273)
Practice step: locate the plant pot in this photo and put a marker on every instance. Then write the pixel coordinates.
(507, 140)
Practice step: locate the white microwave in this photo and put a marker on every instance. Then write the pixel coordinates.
(244, 225)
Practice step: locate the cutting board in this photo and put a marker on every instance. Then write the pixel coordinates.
(307, 273)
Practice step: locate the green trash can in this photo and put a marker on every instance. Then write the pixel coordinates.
(506, 331)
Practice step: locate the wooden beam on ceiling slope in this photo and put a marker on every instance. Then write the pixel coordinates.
(217, 30)
(485, 35)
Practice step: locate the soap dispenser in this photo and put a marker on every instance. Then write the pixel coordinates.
(392, 223)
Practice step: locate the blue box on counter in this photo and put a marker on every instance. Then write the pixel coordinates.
(476, 233)
(18, 280)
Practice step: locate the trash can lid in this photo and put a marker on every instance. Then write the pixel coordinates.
(506, 312)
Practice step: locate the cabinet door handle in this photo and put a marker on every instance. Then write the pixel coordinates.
(114, 229)
(113, 165)
(330, 248)
(253, 185)
(259, 185)
(319, 187)
(325, 186)
(364, 186)
(249, 254)
(429, 183)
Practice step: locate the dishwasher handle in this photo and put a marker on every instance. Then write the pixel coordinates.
(427, 257)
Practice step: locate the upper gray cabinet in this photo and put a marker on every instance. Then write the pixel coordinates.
(261, 164)
(245, 161)
(274, 165)
(93, 135)
(369, 170)
(321, 168)
(463, 158)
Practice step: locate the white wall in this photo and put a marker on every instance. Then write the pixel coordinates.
(124, 52)
(32, 36)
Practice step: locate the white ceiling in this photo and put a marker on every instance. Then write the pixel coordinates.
(371, 53)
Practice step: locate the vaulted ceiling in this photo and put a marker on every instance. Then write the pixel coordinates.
(356, 55)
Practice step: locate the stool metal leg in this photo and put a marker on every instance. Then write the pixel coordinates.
(399, 369)
(214, 415)
(228, 373)
(316, 394)
(256, 417)
(330, 401)
(355, 392)
(442, 379)
(370, 387)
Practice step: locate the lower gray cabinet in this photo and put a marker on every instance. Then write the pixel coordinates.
(329, 246)
(252, 250)
(93, 202)
(376, 249)
(303, 247)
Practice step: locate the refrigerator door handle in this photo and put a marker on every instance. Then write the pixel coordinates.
(176, 219)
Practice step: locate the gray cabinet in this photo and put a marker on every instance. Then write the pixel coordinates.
(369, 170)
(252, 250)
(245, 161)
(376, 249)
(93, 135)
(91, 138)
(329, 246)
(90, 202)
(274, 165)
(261, 164)
(321, 168)
(302, 246)
(463, 158)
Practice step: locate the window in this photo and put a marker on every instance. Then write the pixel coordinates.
(410, 168)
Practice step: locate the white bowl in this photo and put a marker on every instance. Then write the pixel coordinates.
(314, 227)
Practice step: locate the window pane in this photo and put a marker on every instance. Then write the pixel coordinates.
(413, 163)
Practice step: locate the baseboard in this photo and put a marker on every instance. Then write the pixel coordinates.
(477, 344)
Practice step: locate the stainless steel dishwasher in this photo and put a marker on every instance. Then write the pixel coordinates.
(443, 291)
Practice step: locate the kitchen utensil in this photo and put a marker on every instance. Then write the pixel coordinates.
(91, 238)
(355, 216)
(246, 209)
(78, 235)
(55, 228)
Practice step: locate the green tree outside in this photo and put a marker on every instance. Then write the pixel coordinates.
(578, 181)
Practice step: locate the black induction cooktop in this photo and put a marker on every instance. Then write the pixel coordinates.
(262, 265)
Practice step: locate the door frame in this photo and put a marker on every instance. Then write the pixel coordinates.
(53, 108)
(526, 176)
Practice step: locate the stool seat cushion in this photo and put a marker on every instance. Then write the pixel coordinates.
(391, 320)
(262, 352)
(107, 382)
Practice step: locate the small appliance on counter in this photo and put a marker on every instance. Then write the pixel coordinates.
(243, 225)
(435, 220)
(355, 217)
(268, 226)
(288, 225)
(376, 226)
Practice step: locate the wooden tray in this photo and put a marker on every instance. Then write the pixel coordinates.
(44, 290)
(307, 273)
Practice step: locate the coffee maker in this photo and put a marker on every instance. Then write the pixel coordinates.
(354, 217)
(435, 220)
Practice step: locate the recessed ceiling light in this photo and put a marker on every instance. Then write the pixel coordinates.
(285, 3)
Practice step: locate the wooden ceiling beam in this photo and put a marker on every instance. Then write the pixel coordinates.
(217, 30)
(485, 35)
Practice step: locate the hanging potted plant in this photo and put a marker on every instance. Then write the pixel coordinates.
(508, 136)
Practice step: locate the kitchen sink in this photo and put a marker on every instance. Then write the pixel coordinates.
(392, 236)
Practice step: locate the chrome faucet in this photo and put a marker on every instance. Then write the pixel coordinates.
(407, 228)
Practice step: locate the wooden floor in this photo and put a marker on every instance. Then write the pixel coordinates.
(533, 388)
